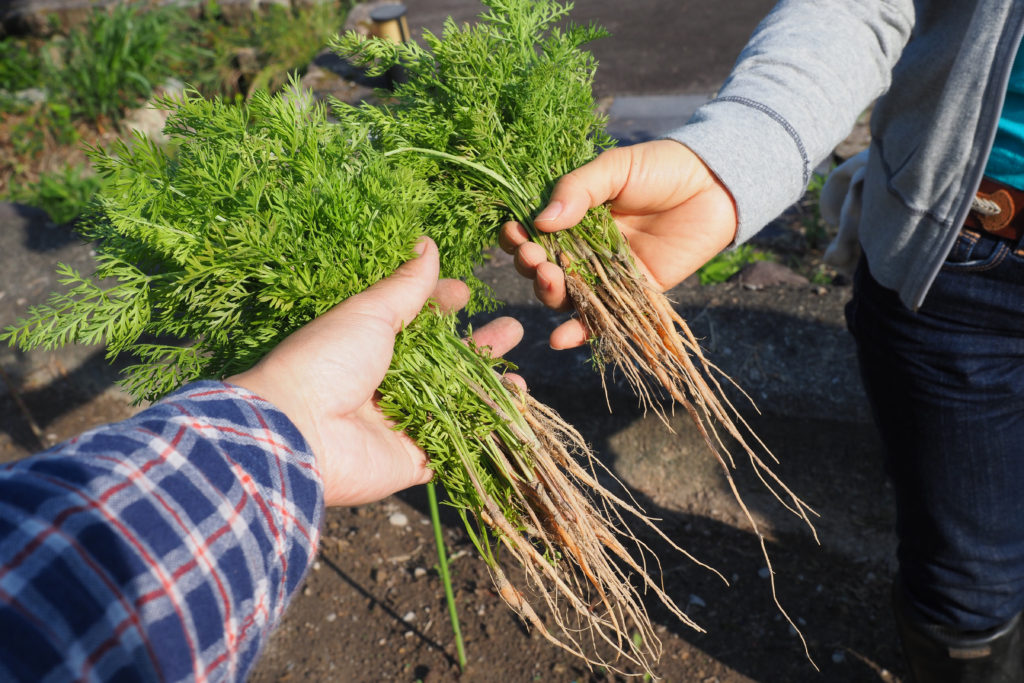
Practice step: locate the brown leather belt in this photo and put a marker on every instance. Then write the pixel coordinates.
(1008, 222)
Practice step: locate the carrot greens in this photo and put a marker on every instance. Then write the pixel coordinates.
(493, 113)
(272, 212)
(268, 215)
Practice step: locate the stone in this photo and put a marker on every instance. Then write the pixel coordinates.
(150, 119)
(762, 274)
(46, 17)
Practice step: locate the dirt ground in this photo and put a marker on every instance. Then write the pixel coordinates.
(372, 607)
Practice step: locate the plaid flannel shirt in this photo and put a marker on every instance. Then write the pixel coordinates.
(164, 547)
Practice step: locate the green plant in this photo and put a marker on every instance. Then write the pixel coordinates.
(38, 126)
(118, 58)
(268, 216)
(20, 67)
(493, 114)
(66, 194)
(815, 228)
(262, 52)
(729, 262)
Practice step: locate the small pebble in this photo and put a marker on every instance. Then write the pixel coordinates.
(398, 519)
(316, 566)
(331, 617)
(419, 572)
(409, 616)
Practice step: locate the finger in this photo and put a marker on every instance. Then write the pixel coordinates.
(516, 380)
(450, 295)
(528, 257)
(590, 185)
(568, 335)
(512, 236)
(398, 299)
(500, 335)
(549, 287)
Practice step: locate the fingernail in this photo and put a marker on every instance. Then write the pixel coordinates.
(421, 246)
(550, 212)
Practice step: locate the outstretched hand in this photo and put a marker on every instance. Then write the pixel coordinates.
(324, 377)
(672, 210)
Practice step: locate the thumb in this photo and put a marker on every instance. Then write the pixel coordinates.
(590, 185)
(398, 298)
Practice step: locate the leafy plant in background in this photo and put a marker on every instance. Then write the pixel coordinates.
(268, 216)
(65, 195)
(263, 52)
(729, 262)
(20, 67)
(815, 228)
(37, 120)
(40, 126)
(493, 114)
(118, 58)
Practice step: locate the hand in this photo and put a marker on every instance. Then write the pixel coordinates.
(672, 210)
(324, 377)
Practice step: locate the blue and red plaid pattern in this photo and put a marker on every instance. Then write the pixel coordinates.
(164, 547)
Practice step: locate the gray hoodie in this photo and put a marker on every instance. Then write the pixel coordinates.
(813, 66)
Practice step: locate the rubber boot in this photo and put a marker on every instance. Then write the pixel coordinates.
(938, 654)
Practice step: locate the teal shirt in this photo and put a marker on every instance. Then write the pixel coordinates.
(1006, 161)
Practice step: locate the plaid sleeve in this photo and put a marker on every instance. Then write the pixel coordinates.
(164, 547)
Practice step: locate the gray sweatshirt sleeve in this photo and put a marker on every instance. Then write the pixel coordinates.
(807, 73)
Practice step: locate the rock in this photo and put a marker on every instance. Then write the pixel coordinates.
(46, 17)
(398, 519)
(761, 274)
(239, 11)
(149, 119)
(32, 95)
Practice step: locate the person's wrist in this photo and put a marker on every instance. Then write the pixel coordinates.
(276, 394)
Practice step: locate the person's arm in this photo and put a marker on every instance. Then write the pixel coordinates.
(808, 71)
(811, 67)
(166, 546)
(163, 547)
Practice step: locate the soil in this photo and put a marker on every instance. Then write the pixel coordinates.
(372, 608)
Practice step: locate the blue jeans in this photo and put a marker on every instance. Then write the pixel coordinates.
(946, 384)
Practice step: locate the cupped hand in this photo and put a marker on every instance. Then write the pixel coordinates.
(670, 207)
(324, 377)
